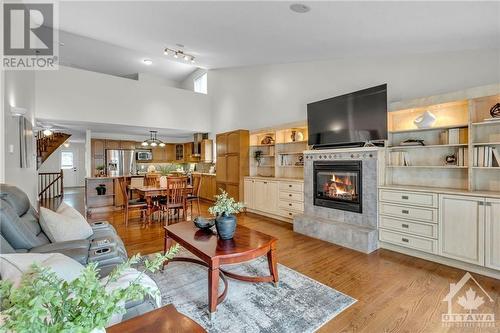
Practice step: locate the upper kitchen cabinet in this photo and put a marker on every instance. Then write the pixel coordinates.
(113, 144)
(98, 147)
(232, 161)
(159, 154)
(179, 152)
(169, 152)
(207, 151)
(188, 153)
(128, 144)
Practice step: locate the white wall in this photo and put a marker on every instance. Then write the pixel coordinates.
(188, 82)
(262, 96)
(77, 95)
(19, 90)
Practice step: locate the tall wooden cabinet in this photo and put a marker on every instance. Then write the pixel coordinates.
(232, 161)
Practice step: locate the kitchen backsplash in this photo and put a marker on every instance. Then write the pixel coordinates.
(200, 167)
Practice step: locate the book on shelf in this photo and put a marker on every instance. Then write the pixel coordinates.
(399, 158)
(462, 156)
(486, 156)
(454, 136)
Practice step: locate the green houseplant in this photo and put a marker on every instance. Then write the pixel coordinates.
(100, 170)
(43, 302)
(165, 171)
(257, 155)
(224, 209)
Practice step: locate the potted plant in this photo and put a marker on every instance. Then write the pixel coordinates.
(165, 171)
(43, 302)
(100, 170)
(101, 189)
(257, 155)
(224, 210)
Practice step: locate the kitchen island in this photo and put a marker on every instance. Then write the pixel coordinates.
(208, 185)
(108, 198)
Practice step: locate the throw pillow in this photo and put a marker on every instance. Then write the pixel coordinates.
(60, 227)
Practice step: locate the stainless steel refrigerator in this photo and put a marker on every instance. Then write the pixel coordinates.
(120, 162)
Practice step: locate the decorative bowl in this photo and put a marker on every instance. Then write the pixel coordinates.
(203, 223)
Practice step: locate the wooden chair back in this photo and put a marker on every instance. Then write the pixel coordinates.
(123, 188)
(136, 182)
(152, 180)
(196, 185)
(177, 193)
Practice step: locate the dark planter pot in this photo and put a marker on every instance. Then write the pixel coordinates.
(101, 189)
(226, 226)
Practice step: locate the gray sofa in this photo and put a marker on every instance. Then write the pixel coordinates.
(20, 232)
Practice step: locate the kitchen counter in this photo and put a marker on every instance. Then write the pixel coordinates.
(204, 173)
(112, 177)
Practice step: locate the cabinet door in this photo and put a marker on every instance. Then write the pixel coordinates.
(233, 168)
(98, 147)
(221, 142)
(179, 152)
(112, 144)
(188, 152)
(233, 143)
(206, 151)
(170, 152)
(158, 154)
(271, 197)
(233, 191)
(127, 144)
(212, 189)
(492, 234)
(221, 166)
(259, 201)
(461, 228)
(248, 192)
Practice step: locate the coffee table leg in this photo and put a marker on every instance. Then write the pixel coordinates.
(166, 245)
(213, 290)
(273, 267)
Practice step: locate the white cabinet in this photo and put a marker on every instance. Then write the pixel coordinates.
(492, 233)
(461, 227)
(248, 193)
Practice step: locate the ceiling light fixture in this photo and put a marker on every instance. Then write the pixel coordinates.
(153, 141)
(148, 61)
(299, 8)
(47, 132)
(179, 54)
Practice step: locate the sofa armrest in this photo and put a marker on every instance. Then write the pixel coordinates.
(78, 250)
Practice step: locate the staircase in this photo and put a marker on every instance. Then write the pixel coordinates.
(47, 144)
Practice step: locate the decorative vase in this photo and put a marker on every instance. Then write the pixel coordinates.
(101, 189)
(226, 226)
(299, 136)
(426, 120)
(163, 181)
(293, 136)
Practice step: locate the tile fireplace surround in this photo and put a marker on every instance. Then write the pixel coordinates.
(357, 231)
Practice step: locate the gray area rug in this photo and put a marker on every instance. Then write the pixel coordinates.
(300, 304)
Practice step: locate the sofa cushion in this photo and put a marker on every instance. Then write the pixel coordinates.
(19, 232)
(5, 246)
(16, 198)
(12, 266)
(61, 228)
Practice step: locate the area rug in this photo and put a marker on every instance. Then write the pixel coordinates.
(298, 305)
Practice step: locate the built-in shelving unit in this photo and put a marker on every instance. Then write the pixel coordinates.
(426, 165)
(284, 157)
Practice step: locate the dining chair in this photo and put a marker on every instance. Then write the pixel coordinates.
(151, 179)
(195, 195)
(130, 204)
(176, 198)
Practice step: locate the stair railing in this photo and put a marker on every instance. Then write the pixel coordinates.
(50, 185)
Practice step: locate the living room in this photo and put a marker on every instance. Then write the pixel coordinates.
(251, 167)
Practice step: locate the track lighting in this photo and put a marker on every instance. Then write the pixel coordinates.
(179, 54)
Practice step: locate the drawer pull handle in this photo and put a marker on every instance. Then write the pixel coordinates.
(290, 214)
(405, 197)
(405, 211)
(265, 182)
(290, 204)
(405, 225)
(289, 195)
(289, 185)
(406, 240)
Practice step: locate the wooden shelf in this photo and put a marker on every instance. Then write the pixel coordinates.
(429, 129)
(428, 166)
(291, 166)
(428, 146)
(483, 123)
(292, 153)
(269, 145)
(291, 142)
(486, 144)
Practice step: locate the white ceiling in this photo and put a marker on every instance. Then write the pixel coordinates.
(234, 33)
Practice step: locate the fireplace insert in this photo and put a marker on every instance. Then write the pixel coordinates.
(337, 184)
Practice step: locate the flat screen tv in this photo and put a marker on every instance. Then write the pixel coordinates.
(350, 119)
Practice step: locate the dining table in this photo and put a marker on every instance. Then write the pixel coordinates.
(149, 193)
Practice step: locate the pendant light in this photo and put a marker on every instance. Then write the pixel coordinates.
(153, 141)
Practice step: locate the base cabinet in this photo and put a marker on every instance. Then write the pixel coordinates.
(492, 234)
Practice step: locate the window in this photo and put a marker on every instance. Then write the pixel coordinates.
(66, 160)
(201, 84)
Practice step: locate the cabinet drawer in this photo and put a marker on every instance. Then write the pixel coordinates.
(292, 186)
(419, 229)
(292, 196)
(407, 212)
(410, 198)
(288, 213)
(414, 242)
(296, 206)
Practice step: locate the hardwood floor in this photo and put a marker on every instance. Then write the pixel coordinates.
(395, 292)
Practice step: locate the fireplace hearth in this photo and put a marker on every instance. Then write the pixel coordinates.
(337, 184)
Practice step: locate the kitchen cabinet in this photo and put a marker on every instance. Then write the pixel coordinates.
(208, 187)
(492, 233)
(113, 144)
(232, 161)
(249, 193)
(265, 195)
(159, 154)
(98, 147)
(206, 151)
(461, 227)
(127, 144)
(170, 152)
(179, 152)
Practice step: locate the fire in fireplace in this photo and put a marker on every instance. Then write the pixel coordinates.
(337, 185)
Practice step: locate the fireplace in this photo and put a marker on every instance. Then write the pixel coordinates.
(337, 184)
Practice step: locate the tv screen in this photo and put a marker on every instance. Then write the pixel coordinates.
(357, 117)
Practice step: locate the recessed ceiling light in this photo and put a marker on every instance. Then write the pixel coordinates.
(148, 61)
(299, 8)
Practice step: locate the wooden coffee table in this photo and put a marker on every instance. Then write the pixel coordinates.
(246, 245)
